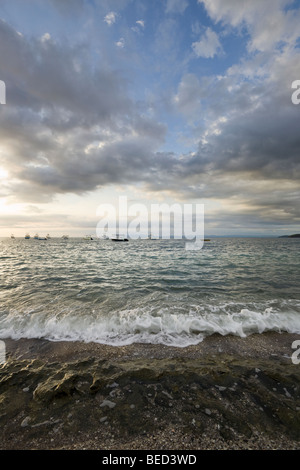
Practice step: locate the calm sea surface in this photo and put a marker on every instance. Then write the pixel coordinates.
(151, 291)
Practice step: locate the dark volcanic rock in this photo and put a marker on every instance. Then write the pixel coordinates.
(44, 405)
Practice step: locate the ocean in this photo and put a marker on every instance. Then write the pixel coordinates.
(148, 291)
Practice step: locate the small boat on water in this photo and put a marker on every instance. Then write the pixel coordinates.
(65, 237)
(43, 238)
(27, 236)
(150, 237)
(48, 236)
(88, 237)
(12, 236)
(119, 238)
(36, 237)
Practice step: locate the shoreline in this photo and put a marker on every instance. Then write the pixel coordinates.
(260, 345)
(227, 392)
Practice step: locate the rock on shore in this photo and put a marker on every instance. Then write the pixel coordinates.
(192, 399)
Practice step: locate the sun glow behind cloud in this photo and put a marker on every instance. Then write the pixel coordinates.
(3, 173)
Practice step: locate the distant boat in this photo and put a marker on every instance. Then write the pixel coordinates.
(48, 236)
(150, 237)
(42, 238)
(88, 237)
(36, 237)
(27, 236)
(12, 236)
(119, 238)
(65, 237)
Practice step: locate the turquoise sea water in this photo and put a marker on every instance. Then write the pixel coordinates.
(151, 291)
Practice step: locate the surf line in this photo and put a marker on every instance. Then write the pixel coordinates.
(113, 460)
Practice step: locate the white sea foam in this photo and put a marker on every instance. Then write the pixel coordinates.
(148, 325)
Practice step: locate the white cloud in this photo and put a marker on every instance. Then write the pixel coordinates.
(208, 46)
(267, 22)
(140, 26)
(120, 43)
(45, 37)
(110, 18)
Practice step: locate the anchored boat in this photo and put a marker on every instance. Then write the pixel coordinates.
(119, 238)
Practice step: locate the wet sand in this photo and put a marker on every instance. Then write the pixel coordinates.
(224, 393)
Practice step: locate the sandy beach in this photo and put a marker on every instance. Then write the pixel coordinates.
(224, 393)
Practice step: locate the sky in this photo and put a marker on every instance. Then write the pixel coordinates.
(161, 101)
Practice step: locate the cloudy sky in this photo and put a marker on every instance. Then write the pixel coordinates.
(170, 101)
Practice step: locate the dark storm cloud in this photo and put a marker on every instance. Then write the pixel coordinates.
(251, 126)
(58, 81)
(57, 108)
(266, 142)
(124, 162)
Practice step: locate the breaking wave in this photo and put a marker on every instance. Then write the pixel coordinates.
(156, 326)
